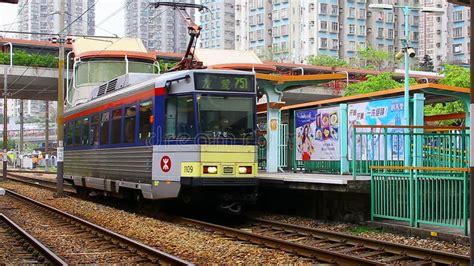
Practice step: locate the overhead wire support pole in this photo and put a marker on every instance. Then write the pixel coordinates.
(5, 112)
(60, 105)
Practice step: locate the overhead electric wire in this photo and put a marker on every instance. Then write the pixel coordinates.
(80, 16)
(18, 14)
(54, 34)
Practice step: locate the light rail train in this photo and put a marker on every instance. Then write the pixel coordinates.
(188, 134)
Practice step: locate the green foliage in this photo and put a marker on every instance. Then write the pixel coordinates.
(326, 60)
(383, 81)
(21, 58)
(456, 76)
(357, 230)
(371, 58)
(10, 145)
(444, 109)
(166, 65)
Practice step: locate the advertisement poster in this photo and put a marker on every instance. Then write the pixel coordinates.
(317, 134)
(380, 112)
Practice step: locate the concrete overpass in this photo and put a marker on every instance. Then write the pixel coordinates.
(31, 83)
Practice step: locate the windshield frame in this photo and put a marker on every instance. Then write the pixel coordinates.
(117, 60)
(204, 139)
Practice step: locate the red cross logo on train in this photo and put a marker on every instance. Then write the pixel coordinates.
(165, 164)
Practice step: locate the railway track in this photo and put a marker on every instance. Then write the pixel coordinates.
(326, 246)
(329, 247)
(51, 185)
(19, 247)
(78, 241)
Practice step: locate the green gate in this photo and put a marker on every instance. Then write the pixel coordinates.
(421, 195)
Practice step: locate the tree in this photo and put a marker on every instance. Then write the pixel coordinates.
(383, 81)
(453, 76)
(456, 76)
(443, 109)
(370, 58)
(327, 60)
(427, 64)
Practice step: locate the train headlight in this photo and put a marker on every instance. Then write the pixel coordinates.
(210, 169)
(245, 169)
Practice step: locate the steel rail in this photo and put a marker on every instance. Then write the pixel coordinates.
(389, 247)
(37, 182)
(302, 250)
(163, 257)
(38, 246)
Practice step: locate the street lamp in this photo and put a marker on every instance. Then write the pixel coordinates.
(409, 52)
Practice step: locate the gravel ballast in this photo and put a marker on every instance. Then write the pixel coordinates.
(370, 233)
(187, 243)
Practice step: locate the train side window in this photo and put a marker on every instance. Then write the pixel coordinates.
(129, 128)
(95, 130)
(85, 131)
(104, 128)
(180, 118)
(116, 125)
(77, 133)
(146, 120)
(69, 133)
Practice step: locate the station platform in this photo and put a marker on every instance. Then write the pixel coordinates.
(318, 182)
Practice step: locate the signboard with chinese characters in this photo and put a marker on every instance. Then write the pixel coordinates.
(380, 112)
(317, 135)
(224, 82)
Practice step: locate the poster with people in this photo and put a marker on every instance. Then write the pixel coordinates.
(380, 112)
(317, 134)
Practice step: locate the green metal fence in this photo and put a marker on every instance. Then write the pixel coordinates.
(283, 136)
(430, 146)
(421, 195)
(262, 153)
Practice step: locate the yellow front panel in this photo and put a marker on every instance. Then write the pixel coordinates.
(228, 154)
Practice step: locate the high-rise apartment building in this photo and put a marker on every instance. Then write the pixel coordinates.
(434, 33)
(161, 29)
(219, 24)
(40, 16)
(291, 31)
(459, 30)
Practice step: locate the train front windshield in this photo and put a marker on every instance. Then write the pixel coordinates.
(228, 117)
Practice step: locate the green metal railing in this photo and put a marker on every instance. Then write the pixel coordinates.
(383, 146)
(262, 153)
(283, 136)
(421, 195)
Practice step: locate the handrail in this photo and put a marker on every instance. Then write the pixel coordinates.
(421, 127)
(420, 168)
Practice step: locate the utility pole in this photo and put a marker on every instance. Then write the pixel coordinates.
(60, 106)
(46, 142)
(21, 128)
(5, 114)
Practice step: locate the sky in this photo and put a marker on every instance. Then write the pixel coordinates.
(103, 9)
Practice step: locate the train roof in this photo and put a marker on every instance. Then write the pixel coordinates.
(132, 86)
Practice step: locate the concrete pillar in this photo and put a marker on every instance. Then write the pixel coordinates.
(21, 126)
(343, 138)
(273, 122)
(418, 120)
